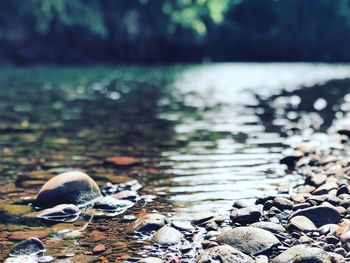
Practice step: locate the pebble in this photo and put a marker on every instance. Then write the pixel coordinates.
(269, 226)
(328, 229)
(316, 179)
(283, 203)
(223, 254)
(21, 259)
(149, 223)
(301, 223)
(320, 215)
(301, 254)
(31, 246)
(99, 248)
(72, 187)
(249, 240)
(202, 220)
(246, 215)
(167, 236)
(110, 204)
(22, 235)
(242, 203)
(126, 194)
(261, 259)
(151, 260)
(60, 213)
(182, 225)
(290, 160)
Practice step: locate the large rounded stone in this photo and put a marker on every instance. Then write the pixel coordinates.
(249, 240)
(223, 254)
(68, 188)
(320, 215)
(167, 236)
(302, 254)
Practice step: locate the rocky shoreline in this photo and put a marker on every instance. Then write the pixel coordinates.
(307, 222)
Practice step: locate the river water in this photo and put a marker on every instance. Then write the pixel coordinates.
(206, 135)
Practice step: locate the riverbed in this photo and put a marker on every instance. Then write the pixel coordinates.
(203, 135)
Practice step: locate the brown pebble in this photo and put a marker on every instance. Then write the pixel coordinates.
(22, 235)
(99, 248)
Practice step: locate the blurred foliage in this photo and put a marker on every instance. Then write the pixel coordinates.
(88, 31)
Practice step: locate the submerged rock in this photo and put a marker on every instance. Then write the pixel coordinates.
(31, 246)
(249, 240)
(61, 213)
(167, 236)
(302, 254)
(68, 188)
(223, 254)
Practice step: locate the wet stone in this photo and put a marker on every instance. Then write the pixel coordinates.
(150, 260)
(182, 225)
(22, 235)
(261, 259)
(31, 246)
(202, 221)
(328, 229)
(290, 160)
(99, 248)
(68, 188)
(316, 179)
(325, 188)
(246, 215)
(122, 160)
(345, 237)
(167, 236)
(269, 226)
(61, 213)
(242, 203)
(21, 259)
(149, 223)
(301, 254)
(301, 223)
(320, 215)
(283, 203)
(249, 240)
(126, 194)
(112, 205)
(223, 254)
(132, 185)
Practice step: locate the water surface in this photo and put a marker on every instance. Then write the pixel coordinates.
(206, 134)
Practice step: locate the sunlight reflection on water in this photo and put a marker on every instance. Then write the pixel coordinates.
(230, 154)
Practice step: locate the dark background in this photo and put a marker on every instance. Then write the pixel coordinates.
(168, 31)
